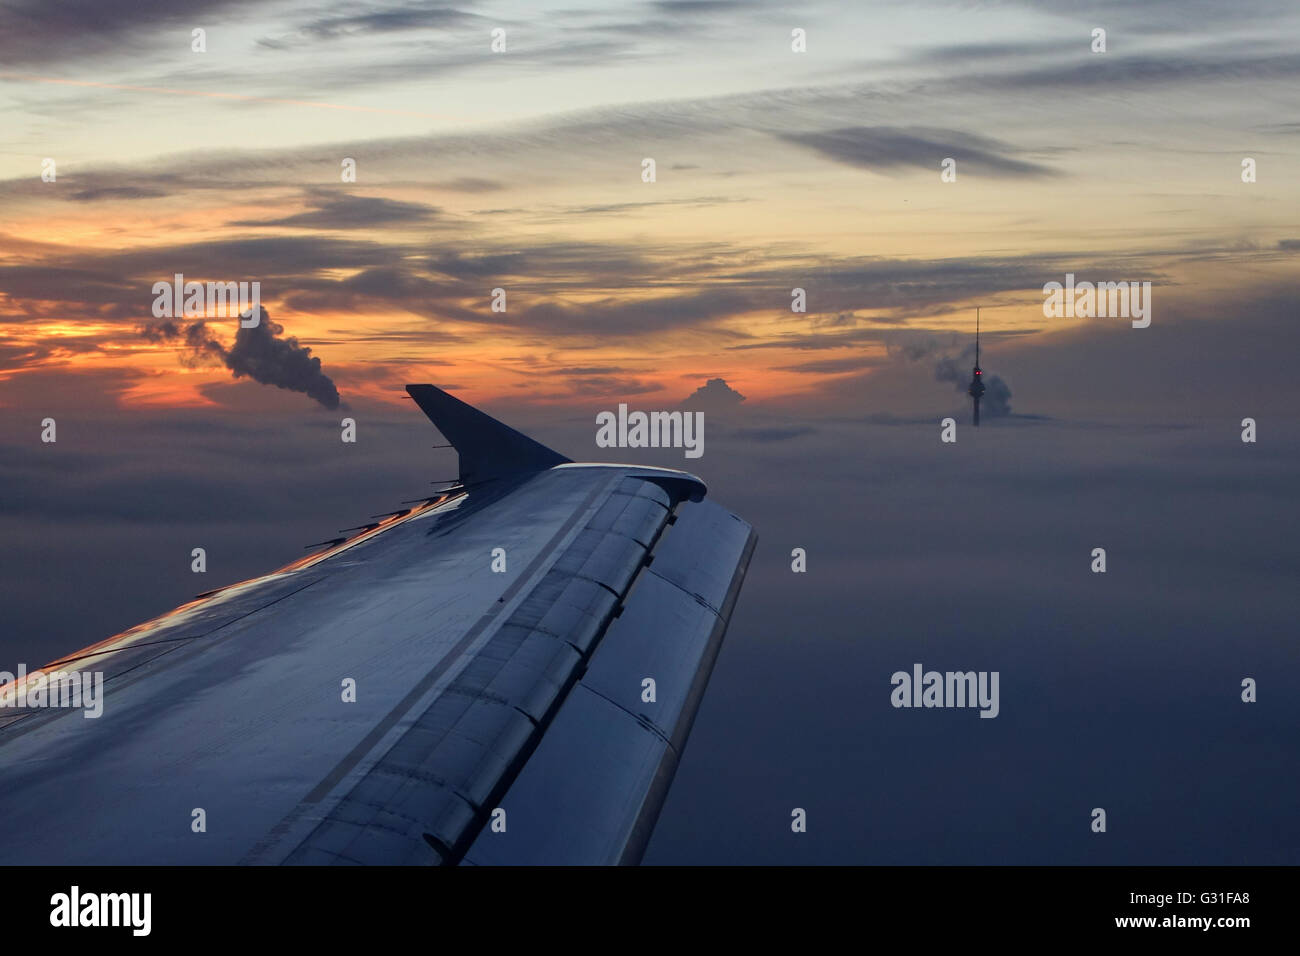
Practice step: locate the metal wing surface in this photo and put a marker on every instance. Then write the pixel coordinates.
(500, 716)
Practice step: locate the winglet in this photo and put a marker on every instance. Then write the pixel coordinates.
(487, 448)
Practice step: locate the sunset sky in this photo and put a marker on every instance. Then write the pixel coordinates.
(775, 170)
(522, 170)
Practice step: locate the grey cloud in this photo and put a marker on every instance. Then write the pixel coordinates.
(608, 385)
(641, 283)
(562, 263)
(92, 283)
(470, 184)
(713, 395)
(1156, 17)
(430, 61)
(890, 147)
(623, 207)
(699, 6)
(382, 284)
(118, 284)
(92, 194)
(478, 265)
(1145, 71)
(401, 18)
(264, 256)
(837, 320)
(38, 32)
(833, 366)
(351, 212)
(618, 319)
(588, 370)
(951, 52)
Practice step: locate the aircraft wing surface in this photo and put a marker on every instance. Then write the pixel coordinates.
(504, 674)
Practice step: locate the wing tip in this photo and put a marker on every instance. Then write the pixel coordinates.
(488, 448)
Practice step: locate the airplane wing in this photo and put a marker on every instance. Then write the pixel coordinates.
(504, 674)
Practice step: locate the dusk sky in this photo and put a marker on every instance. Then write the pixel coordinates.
(774, 170)
(522, 170)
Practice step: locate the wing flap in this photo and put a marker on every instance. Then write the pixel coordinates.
(578, 804)
(471, 741)
(591, 791)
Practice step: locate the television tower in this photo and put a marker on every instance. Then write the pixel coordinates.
(976, 390)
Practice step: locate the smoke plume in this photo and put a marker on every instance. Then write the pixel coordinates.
(957, 369)
(953, 366)
(258, 353)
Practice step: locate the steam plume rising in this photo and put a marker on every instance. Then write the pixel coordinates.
(258, 353)
(996, 401)
(955, 368)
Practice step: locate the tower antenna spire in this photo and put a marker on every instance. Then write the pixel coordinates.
(976, 390)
